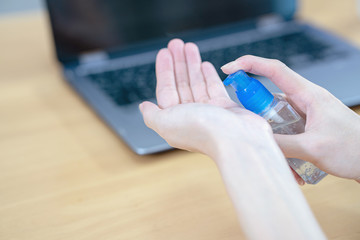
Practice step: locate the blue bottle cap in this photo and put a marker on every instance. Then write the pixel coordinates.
(250, 92)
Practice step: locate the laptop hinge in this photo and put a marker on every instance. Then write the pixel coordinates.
(93, 57)
(269, 22)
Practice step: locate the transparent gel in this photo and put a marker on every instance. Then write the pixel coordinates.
(278, 112)
(283, 119)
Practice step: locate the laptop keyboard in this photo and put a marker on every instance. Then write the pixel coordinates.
(128, 85)
(125, 86)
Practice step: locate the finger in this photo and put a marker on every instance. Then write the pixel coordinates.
(149, 111)
(292, 84)
(215, 87)
(166, 91)
(176, 47)
(293, 146)
(197, 81)
(286, 79)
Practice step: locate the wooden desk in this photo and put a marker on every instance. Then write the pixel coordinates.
(65, 175)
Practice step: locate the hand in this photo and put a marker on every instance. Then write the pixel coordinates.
(332, 133)
(194, 111)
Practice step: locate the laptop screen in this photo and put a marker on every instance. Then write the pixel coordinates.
(81, 26)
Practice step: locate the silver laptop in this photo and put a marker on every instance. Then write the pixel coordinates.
(107, 49)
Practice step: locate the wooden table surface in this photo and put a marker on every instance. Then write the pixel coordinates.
(65, 175)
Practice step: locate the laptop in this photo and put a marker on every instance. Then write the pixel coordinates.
(107, 49)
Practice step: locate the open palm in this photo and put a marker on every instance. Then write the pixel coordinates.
(183, 78)
(194, 110)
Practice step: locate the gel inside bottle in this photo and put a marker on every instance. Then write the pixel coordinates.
(278, 112)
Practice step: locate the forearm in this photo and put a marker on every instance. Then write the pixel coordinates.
(267, 199)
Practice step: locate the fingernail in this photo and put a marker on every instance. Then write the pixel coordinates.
(227, 65)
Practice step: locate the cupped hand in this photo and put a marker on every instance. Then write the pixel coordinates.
(332, 133)
(194, 111)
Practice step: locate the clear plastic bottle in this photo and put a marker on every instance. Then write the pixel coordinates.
(280, 115)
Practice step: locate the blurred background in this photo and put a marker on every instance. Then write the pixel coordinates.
(64, 174)
(12, 6)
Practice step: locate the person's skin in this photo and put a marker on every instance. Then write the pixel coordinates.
(331, 139)
(195, 113)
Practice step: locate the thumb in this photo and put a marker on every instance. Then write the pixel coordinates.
(150, 113)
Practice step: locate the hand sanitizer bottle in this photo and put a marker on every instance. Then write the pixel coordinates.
(280, 115)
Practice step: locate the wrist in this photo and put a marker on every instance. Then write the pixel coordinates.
(241, 142)
(265, 193)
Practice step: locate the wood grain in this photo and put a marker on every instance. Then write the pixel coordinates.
(65, 175)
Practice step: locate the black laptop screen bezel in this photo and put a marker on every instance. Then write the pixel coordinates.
(284, 8)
